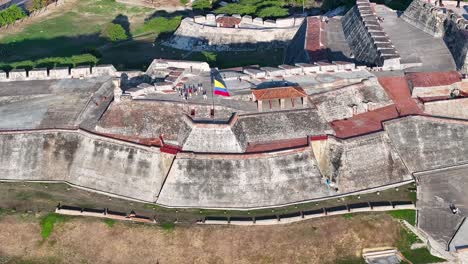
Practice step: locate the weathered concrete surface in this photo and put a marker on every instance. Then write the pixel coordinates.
(211, 138)
(350, 100)
(84, 160)
(281, 125)
(230, 181)
(151, 119)
(437, 190)
(426, 143)
(53, 104)
(455, 108)
(423, 16)
(363, 162)
(419, 50)
(194, 36)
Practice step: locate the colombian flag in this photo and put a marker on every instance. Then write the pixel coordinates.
(219, 85)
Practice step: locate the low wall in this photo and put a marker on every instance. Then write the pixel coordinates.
(194, 36)
(82, 159)
(102, 213)
(249, 22)
(304, 215)
(57, 73)
(367, 39)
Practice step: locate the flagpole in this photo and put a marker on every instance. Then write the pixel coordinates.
(212, 93)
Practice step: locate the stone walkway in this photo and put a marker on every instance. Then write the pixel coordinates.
(417, 49)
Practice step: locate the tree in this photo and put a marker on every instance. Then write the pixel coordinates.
(114, 32)
(240, 9)
(273, 11)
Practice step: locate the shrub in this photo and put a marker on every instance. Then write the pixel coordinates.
(210, 57)
(114, 32)
(201, 4)
(11, 14)
(51, 62)
(273, 11)
(184, 2)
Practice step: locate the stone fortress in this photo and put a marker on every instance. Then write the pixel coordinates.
(353, 110)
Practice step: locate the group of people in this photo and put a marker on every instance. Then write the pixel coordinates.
(190, 90)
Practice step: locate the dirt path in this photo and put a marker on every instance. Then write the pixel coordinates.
(89, 240)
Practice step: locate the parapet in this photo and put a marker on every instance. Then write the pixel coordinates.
(182, 64)
(245, 21)
(57, 73)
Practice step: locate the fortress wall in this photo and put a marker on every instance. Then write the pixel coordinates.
(194, 36)
(452, 27)
(82, 159)
(456, 39)
(58, 73)
(364, 162)
(234, 181)
(426, 17)
(426, 143)
(367, 39)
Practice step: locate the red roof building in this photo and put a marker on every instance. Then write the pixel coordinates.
(280, 97)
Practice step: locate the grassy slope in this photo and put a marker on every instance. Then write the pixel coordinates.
(71, 32)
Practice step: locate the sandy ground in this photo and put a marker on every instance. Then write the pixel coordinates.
(89, 240)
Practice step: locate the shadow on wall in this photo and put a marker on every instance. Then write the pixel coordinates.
(202, 44)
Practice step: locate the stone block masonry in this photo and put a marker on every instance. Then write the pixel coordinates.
(367, 39)
(195, 36)
(440, 23)
(84, 160)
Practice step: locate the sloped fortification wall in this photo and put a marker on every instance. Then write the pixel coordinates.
(358, 38)
(194, 36)
(230, 181)
(82, 159)
(452, 27)
(426, 143)
(363, 162)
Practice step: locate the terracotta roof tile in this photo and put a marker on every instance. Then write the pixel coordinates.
(429, 79)
(279, 93)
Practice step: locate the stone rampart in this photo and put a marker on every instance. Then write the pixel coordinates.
(367, 39)
(58, 73)
(194, 36)
(250, 22)
(82, 159)
(441, 23)
(426, 143)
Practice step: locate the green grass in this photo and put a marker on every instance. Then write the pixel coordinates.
(159, 25)
(109, 222)
(168, 226)
(416, 256)
(48, 222)
(348, 216)
(408, 215)
(351, 261)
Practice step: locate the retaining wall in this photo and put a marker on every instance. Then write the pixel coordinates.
(194, 36)
(82, 159)
(367, 39)
(57, 73)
